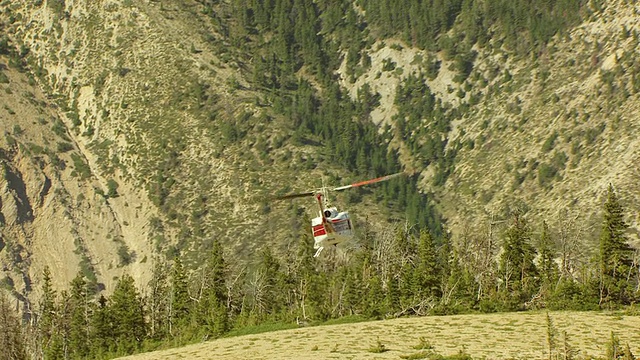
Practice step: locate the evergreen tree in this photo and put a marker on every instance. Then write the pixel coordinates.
(180, 303)
(80, 318)
(460, 289)
(101, 337)
(615, 253)
(427, 274)
(392, 296)
(213, 312)
(351, 291)
(310, 287)
(46, 321)
(374, 305)
(271, 286)
(12, 344)
(519, 273)
(63, 326)
(127, 314)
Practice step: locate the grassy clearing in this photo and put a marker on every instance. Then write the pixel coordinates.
(491, 336)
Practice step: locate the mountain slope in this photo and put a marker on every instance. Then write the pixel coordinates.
(54, 211)
(160, 126)
(544, 132)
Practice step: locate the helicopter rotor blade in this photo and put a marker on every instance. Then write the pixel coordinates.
(367, 182)
(294, 196)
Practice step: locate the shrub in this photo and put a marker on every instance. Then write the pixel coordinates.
(64, 147)
(112, 188)
(550, 142)
(378, 348)
(126, 256)
(546, 173)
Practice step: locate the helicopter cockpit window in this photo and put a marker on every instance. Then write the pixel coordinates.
(328, 213)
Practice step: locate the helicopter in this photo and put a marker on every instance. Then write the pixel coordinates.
(332, 227)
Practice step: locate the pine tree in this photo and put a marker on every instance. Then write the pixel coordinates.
(427, 273)
(80, 316)
(63, 326)
(213, 303)
(310, 289)
(392, 296)
(460, 287)
(129, 327)
(12, 343)
(351, 290)
(46, 321)
(615, 253)
(374, 306)
(101, 336)
(271, 287)
(517, 268)
(180, 303)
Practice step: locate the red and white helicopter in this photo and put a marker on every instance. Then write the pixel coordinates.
(332, 227)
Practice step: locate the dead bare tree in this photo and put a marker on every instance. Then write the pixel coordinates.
(12, 342)
(572, 241)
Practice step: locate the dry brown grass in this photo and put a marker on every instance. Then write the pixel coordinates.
(490, 336)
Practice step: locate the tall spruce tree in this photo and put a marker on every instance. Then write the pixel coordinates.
(101, 336)
(518, 271)
(180, 303)
(374, 304)
(310, 288)
(212, 308)
(616, 255)
(127, 311)
(271, 289)
(427, 273)
(63, 325)
(158, 301)
(460, 287)
(80, 318)
(47, 313)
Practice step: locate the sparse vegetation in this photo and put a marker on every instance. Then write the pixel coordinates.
(64, 146)
(126, 256)
(378, 348)
(81, 167)
(424, 344)
(112, 188)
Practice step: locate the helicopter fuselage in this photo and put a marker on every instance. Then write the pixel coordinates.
(331, 228)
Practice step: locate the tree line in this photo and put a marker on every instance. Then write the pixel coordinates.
(390, 273)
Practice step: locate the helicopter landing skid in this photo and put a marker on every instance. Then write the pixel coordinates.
(318, 251)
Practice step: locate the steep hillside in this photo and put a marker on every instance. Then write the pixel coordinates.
(54, 211)
(123, 95)
(543, 131)
(559, 131)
